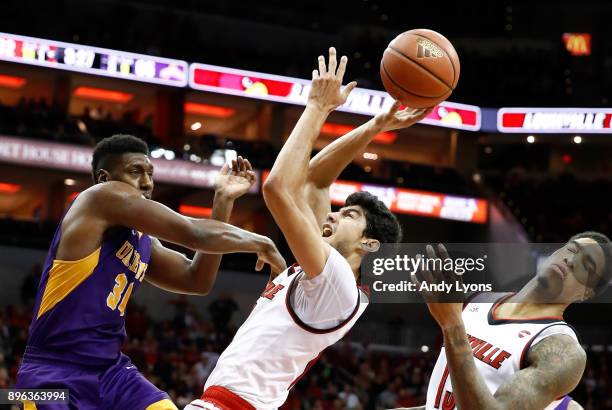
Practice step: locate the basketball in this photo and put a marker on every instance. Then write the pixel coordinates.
(420, 68)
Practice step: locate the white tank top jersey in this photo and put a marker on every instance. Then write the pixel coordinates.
(293, 321)
(500, 346)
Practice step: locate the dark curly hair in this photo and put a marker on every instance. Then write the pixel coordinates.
(108, 150)
(381, 224)
(605, 244)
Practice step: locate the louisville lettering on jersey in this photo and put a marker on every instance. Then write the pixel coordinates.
(271, 290)
(483, 351)
(487, 353)
(449, 401)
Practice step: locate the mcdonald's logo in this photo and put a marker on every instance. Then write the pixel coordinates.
(577, 44)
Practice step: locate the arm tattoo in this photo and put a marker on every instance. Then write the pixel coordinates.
(555, 367)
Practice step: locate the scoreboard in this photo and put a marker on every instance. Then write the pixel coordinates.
(93, 60)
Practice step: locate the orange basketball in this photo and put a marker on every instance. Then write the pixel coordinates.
(420, 68)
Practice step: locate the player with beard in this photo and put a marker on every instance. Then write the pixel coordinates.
(515, 351)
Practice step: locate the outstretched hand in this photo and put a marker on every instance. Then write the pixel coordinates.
(443, 306)
(236, 179)
(395, 118)
(325, 91)
(272, 257)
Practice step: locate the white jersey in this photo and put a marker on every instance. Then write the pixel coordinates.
(293, 321)
(500, 346)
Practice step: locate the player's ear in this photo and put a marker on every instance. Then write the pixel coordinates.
(370, 245)
(588, 293)
(102, 175)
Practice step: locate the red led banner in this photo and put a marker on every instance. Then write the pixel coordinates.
(555, 120)
(10, 81)
(414, 202)
(290, 90)
(422, 203)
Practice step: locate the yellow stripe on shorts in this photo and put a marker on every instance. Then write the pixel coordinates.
(164, 404)
(29, 405)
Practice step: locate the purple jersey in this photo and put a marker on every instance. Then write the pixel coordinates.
(79, 315)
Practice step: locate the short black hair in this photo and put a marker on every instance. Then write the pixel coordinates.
(381, 224)
(109, 149)
(605, 244)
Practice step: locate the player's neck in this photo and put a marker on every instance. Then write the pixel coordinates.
(355, 261)
(353, 257)
(529, 310)
(528, 302)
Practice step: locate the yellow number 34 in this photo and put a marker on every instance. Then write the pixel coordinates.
(113, 298)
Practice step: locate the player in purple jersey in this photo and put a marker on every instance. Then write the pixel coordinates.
(104, 247)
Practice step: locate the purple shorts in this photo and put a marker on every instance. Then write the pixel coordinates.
(120, 386)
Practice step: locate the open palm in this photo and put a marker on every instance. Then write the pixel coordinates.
(236, 179)
(395, 118)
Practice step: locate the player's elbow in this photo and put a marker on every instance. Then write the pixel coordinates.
(202, 289)
(272, 183)
(200, 283)
(274, 190)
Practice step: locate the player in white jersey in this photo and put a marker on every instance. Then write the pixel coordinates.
(311, 305)
(514, 351)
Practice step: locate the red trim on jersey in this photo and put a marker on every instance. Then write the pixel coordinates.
(310, 329)
(365, 289)
(497, 320)
(225, 399)
(441, 388)
(306, 369)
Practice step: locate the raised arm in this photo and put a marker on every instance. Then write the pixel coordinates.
(171, 270)
(327, 165)
(118, 204)
(284, 188)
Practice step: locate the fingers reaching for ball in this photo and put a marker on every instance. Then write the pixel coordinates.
(397, 117)
(326, 91)
(332, 67)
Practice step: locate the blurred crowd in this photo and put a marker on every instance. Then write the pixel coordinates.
(39, 119)
(179, 353)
